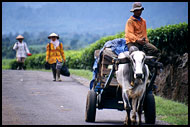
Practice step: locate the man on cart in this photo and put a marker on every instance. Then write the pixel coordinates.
(135, 35)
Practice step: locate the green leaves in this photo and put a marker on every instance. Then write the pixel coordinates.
(171, 39)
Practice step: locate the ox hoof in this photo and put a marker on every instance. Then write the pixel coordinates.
(125, 123)
(133, 122)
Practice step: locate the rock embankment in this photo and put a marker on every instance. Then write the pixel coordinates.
(172, 82)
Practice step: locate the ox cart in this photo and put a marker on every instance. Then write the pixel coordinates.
(106, 92)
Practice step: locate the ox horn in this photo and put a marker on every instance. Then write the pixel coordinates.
(150, 57)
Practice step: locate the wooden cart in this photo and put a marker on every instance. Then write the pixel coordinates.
(106, 92)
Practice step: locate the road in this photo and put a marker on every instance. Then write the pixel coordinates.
(32, 98)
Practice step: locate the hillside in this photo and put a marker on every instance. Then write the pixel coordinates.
(83, 17)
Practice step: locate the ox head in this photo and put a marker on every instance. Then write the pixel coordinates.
(137, 59)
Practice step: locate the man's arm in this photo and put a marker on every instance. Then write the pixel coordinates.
(15, 47)
(141, 41)
(129, 32)
(26, 48)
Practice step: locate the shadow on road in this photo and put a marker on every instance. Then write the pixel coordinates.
(116, 122)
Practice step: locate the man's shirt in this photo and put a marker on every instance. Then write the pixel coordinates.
(135, 30)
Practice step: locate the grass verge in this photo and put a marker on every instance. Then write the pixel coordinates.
(83, 73)
(170, 111)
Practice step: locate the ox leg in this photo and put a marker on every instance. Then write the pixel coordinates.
(127, 118)
(139, 107)
(126, 101)
(127, 107)
(139, 115)
(134, 104)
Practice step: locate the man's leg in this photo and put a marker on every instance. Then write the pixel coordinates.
(22, 63)
(140, 47)
(150, 49)
(19, 63)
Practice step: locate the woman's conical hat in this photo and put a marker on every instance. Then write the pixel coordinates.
(53, 35)
(19, 37)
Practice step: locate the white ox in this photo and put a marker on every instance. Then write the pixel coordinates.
(133, 77)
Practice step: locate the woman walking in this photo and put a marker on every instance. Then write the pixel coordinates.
(21, 51)
(55, 55)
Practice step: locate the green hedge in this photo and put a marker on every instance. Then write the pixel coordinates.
(88, 53)
(36, 61)
(171, 40)
(73, 59)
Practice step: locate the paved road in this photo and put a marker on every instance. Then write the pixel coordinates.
(32, 98)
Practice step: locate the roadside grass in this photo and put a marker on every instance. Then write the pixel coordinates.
(83, 73)
(172, 112)
(6, 63)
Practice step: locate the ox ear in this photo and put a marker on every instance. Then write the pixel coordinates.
(150, 57)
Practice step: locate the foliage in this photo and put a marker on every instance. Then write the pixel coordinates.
(6, 63)
(171, 40)
(88, 53)
(8, 52)
(73, 59)
(13, 64)
(36, 61)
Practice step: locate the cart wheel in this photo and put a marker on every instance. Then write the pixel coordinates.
(149, 109)
(90, 113)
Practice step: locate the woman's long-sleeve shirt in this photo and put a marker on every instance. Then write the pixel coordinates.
(53, 54)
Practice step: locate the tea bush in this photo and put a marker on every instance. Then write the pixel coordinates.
(170, 40)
